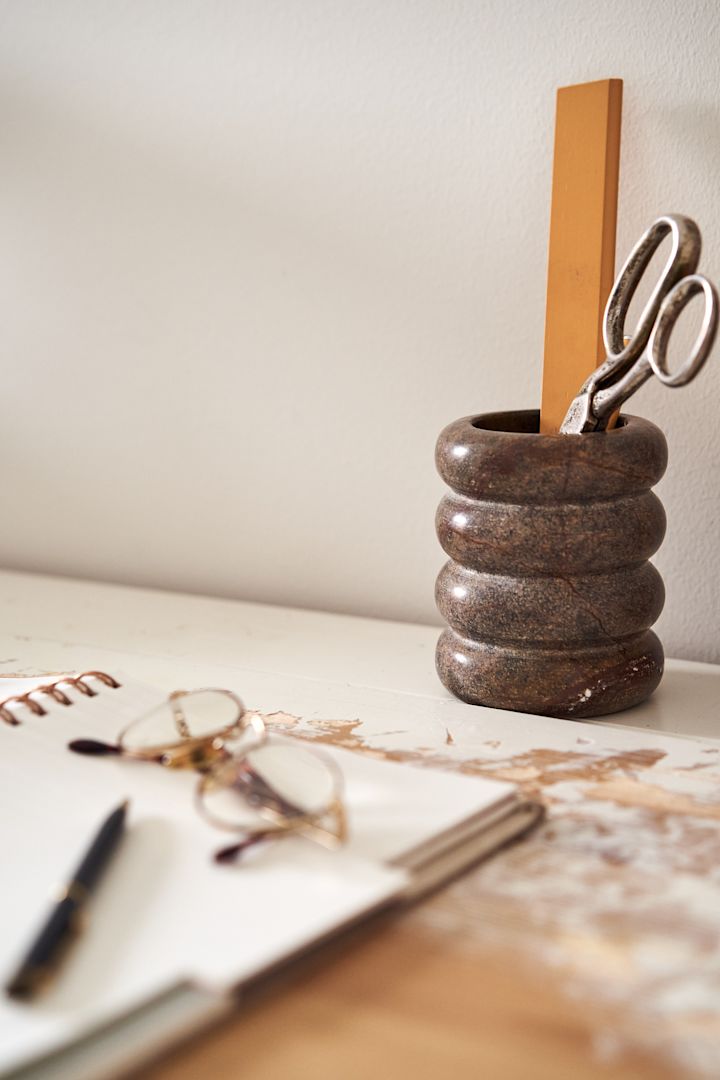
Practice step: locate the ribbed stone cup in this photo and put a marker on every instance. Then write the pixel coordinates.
(548, 595)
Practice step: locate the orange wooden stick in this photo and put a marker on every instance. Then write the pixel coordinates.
(581, 261)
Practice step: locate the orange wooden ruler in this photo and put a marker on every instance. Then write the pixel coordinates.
(581, 261)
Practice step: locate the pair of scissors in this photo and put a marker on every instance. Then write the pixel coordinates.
(631, 361)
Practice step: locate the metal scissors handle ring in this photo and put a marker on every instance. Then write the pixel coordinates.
(672, 307)
(683, 260)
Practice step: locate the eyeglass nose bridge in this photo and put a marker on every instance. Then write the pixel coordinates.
(199, 754)
(205, 754)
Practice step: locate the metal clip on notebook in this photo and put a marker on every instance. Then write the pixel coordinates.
(630, 362)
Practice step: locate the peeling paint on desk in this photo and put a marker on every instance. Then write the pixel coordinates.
(617, 894)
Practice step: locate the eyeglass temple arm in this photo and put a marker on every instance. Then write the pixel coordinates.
(329, 836)
(234, 851)
(94, 747)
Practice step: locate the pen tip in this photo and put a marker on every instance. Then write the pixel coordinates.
(124, 805)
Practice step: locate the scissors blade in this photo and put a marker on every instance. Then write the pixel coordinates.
(579, 418)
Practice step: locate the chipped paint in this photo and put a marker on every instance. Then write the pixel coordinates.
(652, 796)
(617, 894)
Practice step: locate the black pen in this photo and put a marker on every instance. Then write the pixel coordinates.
(63, 923)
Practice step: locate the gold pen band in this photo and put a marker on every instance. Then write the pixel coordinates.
(73, 890)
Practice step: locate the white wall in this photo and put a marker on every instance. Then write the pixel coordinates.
(255, 255)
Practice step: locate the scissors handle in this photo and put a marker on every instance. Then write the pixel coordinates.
(683, 260)
(673, 306)
(654, 359)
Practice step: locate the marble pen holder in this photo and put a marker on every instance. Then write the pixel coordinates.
(548, 595)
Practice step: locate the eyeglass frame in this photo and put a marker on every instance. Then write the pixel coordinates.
(206, 754)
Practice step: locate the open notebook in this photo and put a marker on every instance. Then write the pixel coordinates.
(172, 934)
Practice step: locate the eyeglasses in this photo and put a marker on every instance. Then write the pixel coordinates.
(253, 783)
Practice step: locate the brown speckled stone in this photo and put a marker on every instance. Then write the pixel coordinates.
(548, 594)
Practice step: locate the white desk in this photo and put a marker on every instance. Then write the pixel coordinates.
(592, 948)
(45, 621)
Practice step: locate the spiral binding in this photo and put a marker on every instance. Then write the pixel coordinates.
(53, 690)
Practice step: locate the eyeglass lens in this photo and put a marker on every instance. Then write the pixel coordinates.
(277, 779)
(194, 715)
